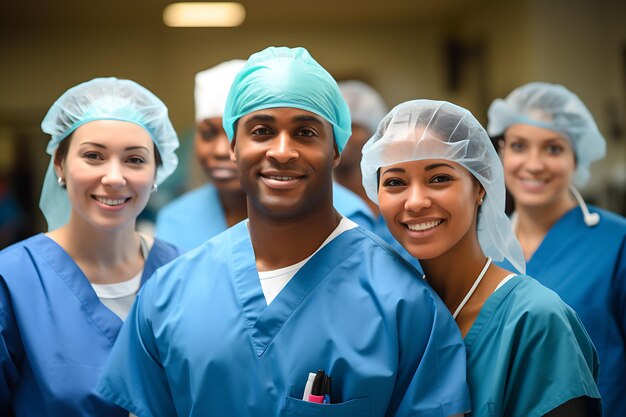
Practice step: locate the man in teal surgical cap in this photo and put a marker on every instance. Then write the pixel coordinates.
(297, 310)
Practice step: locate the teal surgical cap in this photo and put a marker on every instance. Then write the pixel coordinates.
(103, 99)
(554, 107)
(285, 77)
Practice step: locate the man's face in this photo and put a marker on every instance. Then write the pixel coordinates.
(213, 152)
(285, 158)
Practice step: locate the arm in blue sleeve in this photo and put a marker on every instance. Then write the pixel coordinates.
(620, 280)
(134, 377)
(555, 362)
(432, 377)
(9, 372)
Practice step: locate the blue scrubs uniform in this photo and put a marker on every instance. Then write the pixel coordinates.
(55, 334)
(201, 340)
(586, 267)
(528, 353)
(192, 219)
(353, 207)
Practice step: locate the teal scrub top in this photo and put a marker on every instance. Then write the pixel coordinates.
(528, 353)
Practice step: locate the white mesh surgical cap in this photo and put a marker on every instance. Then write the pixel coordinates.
(212, 87)
(103, 99)
(367, 107)
(554, 107)
(427, 129)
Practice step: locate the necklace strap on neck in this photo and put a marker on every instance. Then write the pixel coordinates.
(474, 286)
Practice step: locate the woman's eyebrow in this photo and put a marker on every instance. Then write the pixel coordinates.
(435, 166)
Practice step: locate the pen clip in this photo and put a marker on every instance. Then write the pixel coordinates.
(318, 383)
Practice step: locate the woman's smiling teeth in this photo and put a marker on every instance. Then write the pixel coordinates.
(420, 227)
(533, 182)
(111, 201)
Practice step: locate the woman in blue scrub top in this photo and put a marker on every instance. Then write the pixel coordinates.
(549, 139)
(438, 181)
(200, 214)
(64, 294)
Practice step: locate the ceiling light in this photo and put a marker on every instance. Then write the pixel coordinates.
(204, 14)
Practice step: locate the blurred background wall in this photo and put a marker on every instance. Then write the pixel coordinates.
(468, 52)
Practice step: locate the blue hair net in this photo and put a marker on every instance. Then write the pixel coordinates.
(285, 77)
(554, 107)
(103, 99)
(428, 129)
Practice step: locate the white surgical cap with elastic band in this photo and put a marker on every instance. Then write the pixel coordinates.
(287, 77)
(103, 99)
(212, 86)
(554, 107)
(367, 107)
(427, 129)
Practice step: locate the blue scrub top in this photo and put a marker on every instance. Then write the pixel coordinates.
(55, 334)
(353, 207)
(528, 353)
(201, 340)
(586, 267)
(192, 219)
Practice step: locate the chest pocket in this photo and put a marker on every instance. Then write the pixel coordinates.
(359, 407)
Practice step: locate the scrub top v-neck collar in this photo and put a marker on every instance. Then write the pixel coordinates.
(68, 271)
(265, 321)
(540, 256)
(489, 307)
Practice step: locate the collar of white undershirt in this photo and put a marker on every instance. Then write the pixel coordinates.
(344, 225)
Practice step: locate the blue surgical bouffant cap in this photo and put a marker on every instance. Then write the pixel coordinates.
(103, 99)
(287, 77)
(553, 107)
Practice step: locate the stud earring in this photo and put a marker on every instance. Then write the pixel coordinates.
(480, 202)
(154, 188)
(61, 182)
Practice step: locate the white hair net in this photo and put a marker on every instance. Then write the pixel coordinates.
(103, 99)
(554, 107)
(367, 107)
(212, 87)
(428, 129)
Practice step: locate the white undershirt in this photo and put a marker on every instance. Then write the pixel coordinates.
(272, 282)
(119, 297)
(504, 281)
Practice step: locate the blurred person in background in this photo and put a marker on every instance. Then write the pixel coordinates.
(549, 140)
(64, 294)
(200, 214)
(367, 108)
